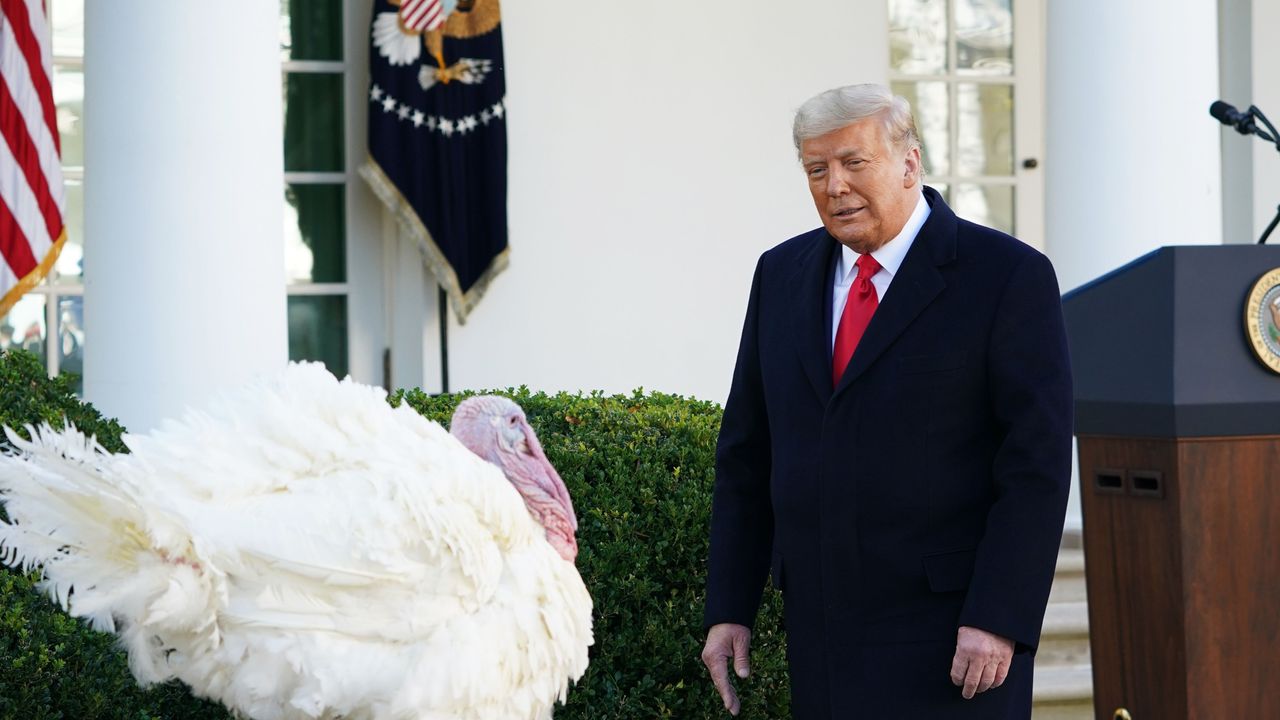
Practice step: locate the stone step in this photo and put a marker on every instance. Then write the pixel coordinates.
(1075, 710)
(1064, 640)
(1068, 579)
(1062, 692)
(1070, 562)
(1063, 688)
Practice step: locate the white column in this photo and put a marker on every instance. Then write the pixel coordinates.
(1235, 85)
(1266, 95)
(184, 265)
(1133, 157)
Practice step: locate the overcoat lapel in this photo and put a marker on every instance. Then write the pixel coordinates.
(812, 304)
(917, 283)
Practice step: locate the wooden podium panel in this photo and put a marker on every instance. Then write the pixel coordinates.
(1182, 546)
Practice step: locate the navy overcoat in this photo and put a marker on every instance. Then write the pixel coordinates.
(923, 492)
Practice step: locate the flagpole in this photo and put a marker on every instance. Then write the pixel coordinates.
(443, 304)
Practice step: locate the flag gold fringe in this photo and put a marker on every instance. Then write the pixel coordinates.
(463, 303)
(34, 277)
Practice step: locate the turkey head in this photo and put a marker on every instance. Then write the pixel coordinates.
(495, 428)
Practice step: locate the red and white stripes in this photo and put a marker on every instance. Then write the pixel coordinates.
(422, 15)
(32, 202)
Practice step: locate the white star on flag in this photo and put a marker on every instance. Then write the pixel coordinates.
(486, 116)
(497, 110)
(403, 112)
(418, 118)
(375, 93)
(469, 122)
(446, 126)
(388, 104)
(432, 123)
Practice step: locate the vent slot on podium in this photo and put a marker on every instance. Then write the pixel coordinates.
(1147, 483)
(1108, 481)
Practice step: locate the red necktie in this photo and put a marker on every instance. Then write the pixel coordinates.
(858, 309)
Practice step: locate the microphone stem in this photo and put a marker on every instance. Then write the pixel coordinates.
(1274, 134)
(1267, 233)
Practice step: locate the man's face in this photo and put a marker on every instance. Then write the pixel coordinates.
(863, 187)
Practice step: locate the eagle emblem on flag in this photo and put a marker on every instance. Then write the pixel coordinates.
(400, 36)
(437, 136)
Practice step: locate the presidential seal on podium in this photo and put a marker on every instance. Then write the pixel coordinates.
(1262, 319)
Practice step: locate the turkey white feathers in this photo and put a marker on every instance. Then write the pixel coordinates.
(304, 550)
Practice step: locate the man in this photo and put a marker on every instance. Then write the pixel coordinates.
(896, 443)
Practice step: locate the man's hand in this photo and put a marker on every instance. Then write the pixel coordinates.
(727, 641)
(981, 662)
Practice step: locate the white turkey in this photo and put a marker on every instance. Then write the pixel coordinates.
(304, 550)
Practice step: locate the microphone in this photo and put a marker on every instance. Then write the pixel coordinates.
(1243, 122)
(1227, 114)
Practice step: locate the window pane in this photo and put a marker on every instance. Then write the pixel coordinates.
(71, 339)
(69, 266)
(918, 36)
(313, 122)
(24, 327)
(990, 205)
(314, 233)
(318, 330)
(67, 19)
(929, 105)
(68, 95)
(311, 29)
(985, 125)
(984, 37)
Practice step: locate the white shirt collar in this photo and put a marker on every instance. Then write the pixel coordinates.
(892, 253)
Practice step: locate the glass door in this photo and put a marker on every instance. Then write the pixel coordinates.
(973, 72)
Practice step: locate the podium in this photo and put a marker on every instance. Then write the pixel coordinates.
(1179, 442)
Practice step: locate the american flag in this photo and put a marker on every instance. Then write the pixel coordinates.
(32, 203)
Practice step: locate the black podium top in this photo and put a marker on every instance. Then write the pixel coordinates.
(1159, 349)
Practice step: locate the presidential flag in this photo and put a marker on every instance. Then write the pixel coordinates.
(32, 203)
(438, 136)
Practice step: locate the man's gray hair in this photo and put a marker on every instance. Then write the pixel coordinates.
(842, 107)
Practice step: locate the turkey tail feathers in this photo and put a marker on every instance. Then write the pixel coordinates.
(73, 512)
(302, 550)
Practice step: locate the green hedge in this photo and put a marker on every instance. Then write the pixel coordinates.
(51, 666)
(639, 469)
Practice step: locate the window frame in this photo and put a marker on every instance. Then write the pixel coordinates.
(344, 178)
(1027, 82)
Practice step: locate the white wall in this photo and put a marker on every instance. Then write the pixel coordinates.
(650, 165)
(370, 262)
(1266, 95)
(1133, 158)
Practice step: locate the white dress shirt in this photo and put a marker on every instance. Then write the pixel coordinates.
(889, 256)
